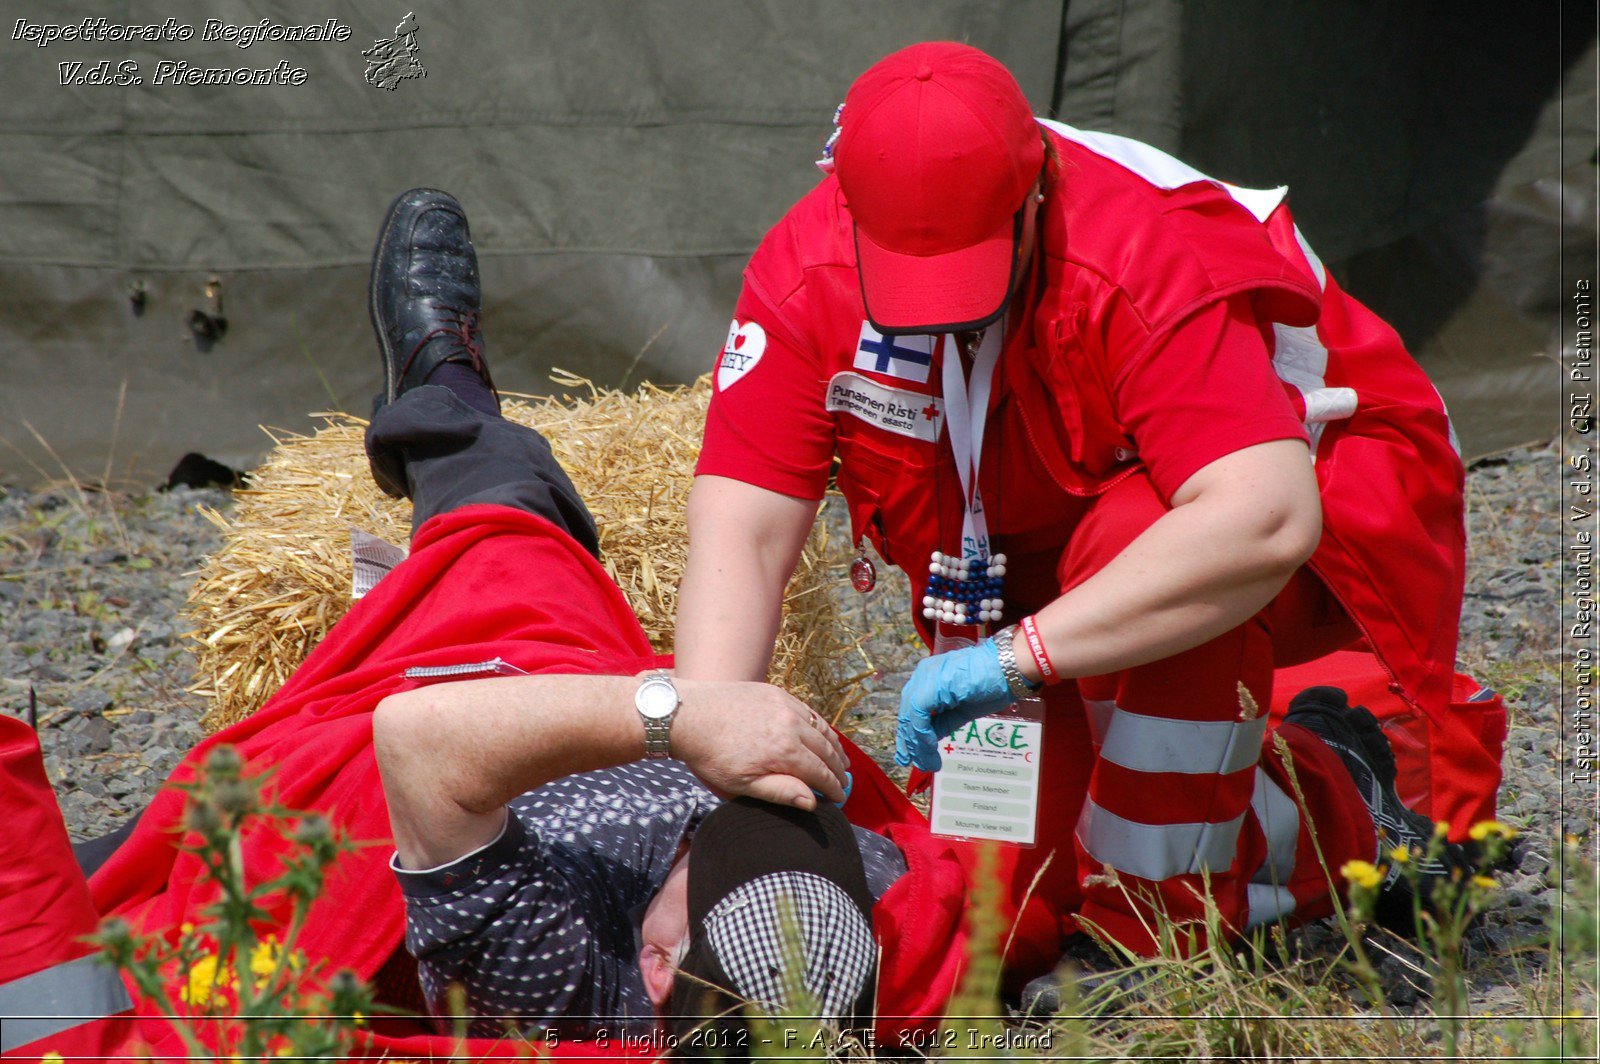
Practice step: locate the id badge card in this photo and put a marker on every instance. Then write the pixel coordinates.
(989, 786)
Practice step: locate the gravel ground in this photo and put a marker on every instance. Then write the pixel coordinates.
(91, 586)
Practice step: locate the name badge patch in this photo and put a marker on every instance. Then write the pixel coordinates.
(897, 410)
(906, 357)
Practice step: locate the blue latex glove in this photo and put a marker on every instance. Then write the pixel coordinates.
(849, 784)
(945, 692)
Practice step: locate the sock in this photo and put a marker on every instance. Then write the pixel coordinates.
(468, 386)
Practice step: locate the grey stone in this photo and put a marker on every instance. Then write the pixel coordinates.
(1532, 862)
(1402, 984)
(42, 671)
(92, 737)
(90, 701)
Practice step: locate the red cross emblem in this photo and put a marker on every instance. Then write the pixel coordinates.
(930, 411)
(949, 748)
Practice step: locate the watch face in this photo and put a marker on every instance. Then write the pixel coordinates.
(656, 699)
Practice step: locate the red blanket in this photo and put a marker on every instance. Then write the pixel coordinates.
(481, 583)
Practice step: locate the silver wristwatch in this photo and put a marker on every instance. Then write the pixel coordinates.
(657, 702)
(1016, 683)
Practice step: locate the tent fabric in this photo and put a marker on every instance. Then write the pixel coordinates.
(619, 161)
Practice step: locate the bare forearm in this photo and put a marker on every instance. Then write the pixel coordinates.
(1202, 569)
(743, 546)
(729, 608)
(452, 755)
(1166, 593)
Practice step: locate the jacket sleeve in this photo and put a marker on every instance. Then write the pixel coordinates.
(767, 424)
(1204, 389)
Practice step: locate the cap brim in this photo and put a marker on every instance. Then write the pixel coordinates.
(954, 292)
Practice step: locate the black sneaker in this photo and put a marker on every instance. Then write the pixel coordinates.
(1090, 969)
(1355, 735)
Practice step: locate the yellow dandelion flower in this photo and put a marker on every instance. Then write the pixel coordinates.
(264, 960)
(203, 979)
(359, 1017)
(1400, 855)
(1362, 874)
(1487, 829)
(1486, 882)
(1441, 829)
(52, 1057)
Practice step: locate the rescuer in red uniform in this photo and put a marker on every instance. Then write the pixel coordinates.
(1135, 448)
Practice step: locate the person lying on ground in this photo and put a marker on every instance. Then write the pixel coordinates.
(582, 842)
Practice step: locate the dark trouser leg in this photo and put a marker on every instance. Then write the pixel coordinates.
(444, 454)
(92, 853)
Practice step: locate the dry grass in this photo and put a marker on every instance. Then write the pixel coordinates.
(282, 576)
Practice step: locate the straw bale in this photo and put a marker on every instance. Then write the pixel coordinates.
(282, 576)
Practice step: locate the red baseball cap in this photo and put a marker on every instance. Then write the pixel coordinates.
(937, 151)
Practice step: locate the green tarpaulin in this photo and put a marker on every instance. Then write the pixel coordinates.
(620, 159)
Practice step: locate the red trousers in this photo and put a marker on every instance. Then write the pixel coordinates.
(1161, 789)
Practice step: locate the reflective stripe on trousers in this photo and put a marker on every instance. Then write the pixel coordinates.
(1145, 743)
(1157, 851)
(1161, 744)
(1161, 851)
(1268, 896)
(57, 999)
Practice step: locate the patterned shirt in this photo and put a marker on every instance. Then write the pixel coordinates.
(542, 924)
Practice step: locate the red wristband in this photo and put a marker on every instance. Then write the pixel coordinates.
(1030, 631)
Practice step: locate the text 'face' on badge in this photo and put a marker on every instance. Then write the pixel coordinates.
(906, 357)
(897, 410)
(747, 342)
(989, 786)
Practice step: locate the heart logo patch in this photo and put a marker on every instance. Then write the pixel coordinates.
(746, 343)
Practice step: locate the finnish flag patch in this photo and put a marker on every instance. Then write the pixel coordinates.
(906, 357)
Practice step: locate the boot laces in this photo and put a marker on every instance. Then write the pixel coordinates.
(462, 329)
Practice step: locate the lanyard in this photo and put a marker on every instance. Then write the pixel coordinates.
(965, 590)
(999, 746)
(966, 413)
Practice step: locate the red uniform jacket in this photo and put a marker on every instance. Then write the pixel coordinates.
(1133, 244)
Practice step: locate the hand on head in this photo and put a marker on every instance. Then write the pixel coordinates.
(755, 740)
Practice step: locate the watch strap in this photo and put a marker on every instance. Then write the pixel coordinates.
(657, 738)
(1016, 683)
